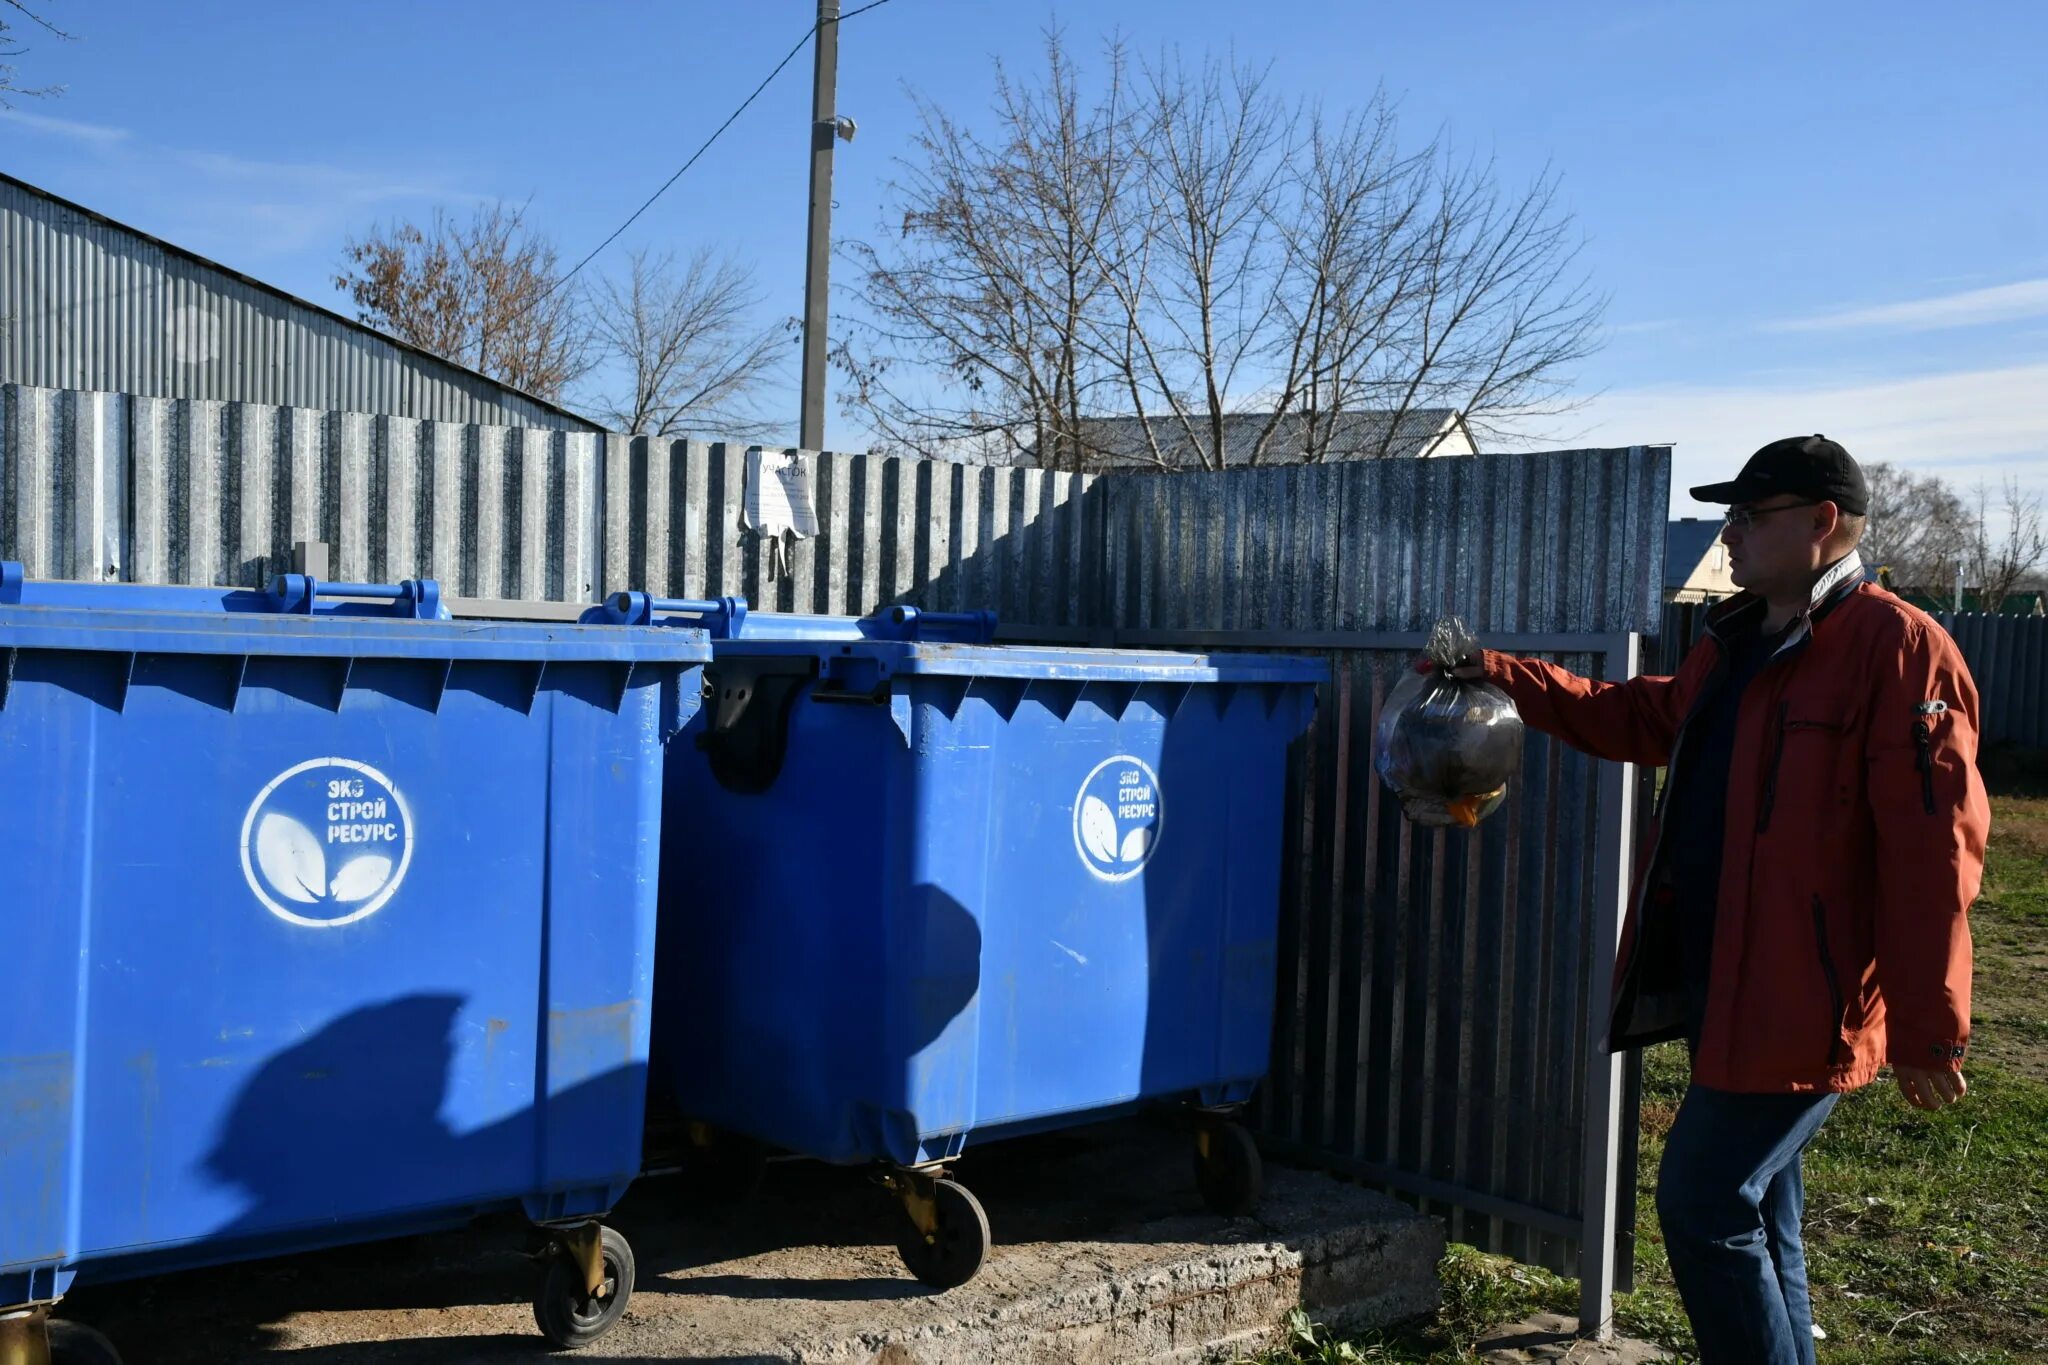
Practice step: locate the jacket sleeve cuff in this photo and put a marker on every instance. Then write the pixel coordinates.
(1936, 1054)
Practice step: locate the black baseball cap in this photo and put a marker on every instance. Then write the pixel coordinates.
(1809, 466)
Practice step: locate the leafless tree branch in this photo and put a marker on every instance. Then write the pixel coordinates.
(1179, 246)
(482, 294)
(684, 344)
(11, 46)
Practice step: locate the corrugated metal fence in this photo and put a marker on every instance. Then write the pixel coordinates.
(1435, 990)
(156, 490)
(2008, 657)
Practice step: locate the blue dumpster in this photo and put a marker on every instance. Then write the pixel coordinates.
(327, 921)
(965, 891)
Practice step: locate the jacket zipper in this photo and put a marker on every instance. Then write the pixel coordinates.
(1770, 797)
(1827, 967)
(1923, 740)
(1640, 904)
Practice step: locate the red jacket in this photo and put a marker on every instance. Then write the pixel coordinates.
(1854, 847)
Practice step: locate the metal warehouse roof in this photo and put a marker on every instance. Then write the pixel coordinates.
(90, 303)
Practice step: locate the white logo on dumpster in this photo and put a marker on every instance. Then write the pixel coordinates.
(1118, 814)
(326, 842)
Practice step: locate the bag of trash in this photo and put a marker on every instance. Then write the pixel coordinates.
(1447, 746)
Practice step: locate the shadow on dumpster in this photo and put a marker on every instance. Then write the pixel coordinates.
(1103, 1184)
(354, 1118)
(351, 1122)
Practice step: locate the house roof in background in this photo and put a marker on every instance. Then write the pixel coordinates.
(1686, 542)
(1355, 436)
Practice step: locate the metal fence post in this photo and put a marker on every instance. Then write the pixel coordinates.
(1604, 1072)
(310, 557)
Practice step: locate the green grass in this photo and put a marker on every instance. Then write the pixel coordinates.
(1926, 1234)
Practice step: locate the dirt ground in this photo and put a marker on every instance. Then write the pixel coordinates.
(1104, 1252)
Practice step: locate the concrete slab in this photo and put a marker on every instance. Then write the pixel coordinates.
(1553, 1337)
(1103, 1253)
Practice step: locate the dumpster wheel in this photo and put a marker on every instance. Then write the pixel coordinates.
(1228, 1170)
(947, 1239)
(568, 1310)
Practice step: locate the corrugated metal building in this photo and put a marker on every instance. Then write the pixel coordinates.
(89, 303)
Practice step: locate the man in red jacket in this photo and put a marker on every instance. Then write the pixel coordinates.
(1800, 919)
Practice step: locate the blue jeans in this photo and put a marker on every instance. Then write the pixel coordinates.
(1729, 1196)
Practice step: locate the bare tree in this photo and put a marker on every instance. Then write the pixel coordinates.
(11, 47)
(1921, 532)
(2000, 563)
(485, 294)
(684, 345)
(980, 325)
(1183, 248)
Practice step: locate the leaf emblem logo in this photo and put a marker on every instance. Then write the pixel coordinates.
(1118, 815)
(326, 843)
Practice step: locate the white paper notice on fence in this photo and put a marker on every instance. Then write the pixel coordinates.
(778, 500)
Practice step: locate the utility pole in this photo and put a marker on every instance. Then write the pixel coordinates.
(817, 269)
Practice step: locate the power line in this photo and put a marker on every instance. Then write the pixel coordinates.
(729, 121)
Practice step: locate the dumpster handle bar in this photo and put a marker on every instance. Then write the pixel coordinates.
(415, 597)
(728, 618)
(291, 593)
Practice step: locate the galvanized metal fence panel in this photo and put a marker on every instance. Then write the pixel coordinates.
(947, 536)
(1432, 1031)
(126, 488)
(1523, 543)
(156, 490)
(1435, 985)
(2008, 657)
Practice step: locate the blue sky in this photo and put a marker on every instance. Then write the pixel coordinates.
(1808, 217)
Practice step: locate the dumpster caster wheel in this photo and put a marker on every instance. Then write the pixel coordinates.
(73, 1343)
(1228, 1171)
(568, 1312)
(948, 1238)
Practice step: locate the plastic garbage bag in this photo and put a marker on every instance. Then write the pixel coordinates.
(1447, 746)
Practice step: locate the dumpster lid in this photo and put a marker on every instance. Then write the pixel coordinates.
(1052, 663)
(356, 637)
(911, 640)
(309, 617)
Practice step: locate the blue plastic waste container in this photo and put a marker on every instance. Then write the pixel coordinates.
(965, 891)
(325, 921)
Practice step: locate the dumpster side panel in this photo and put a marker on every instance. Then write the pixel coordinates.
(49, 736)
(604, 833)
(251, 1073)
(1146, 973)
(771, 966)
(332, 947)
(936, 1021)
(1066, 955)
(1057, 895)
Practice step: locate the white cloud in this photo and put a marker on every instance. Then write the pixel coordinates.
(1967, 426)
(64, 127)
(241, 210)
(1973, 307)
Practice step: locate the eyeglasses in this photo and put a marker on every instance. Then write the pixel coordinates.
(1745, 518)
